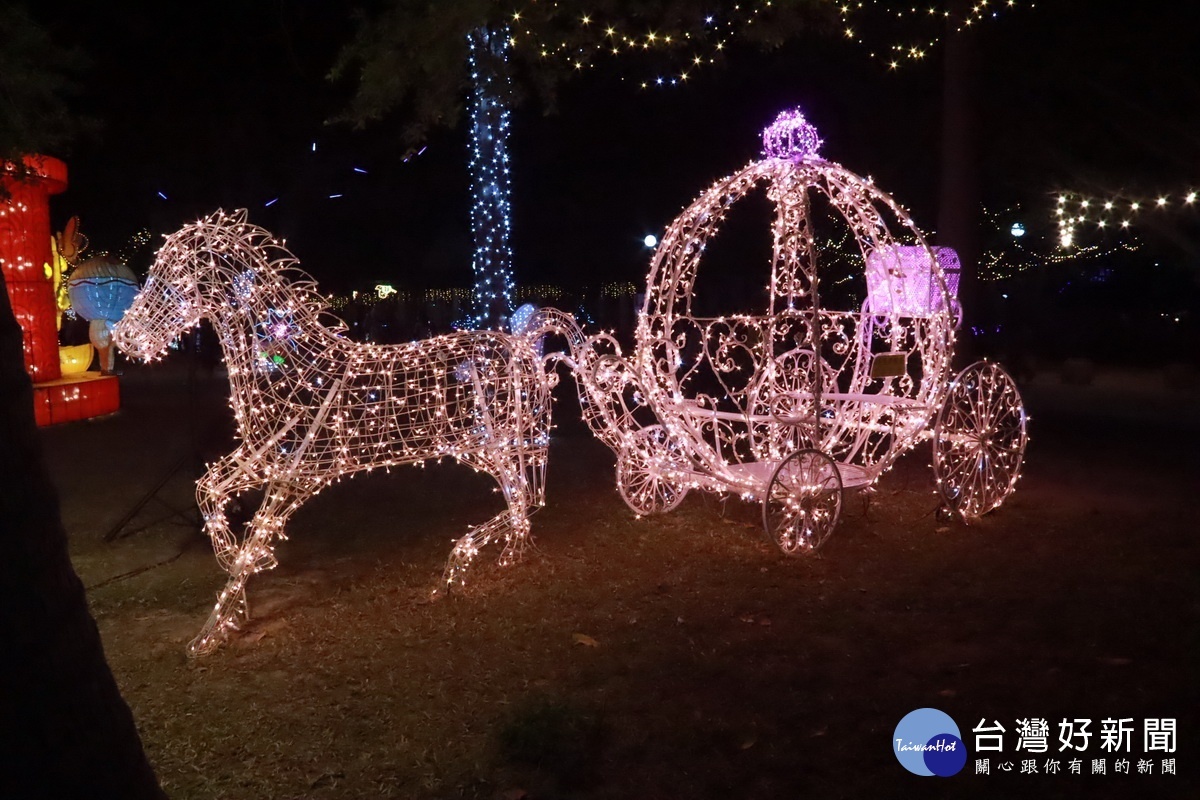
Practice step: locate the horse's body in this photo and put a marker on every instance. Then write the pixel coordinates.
(312, 406)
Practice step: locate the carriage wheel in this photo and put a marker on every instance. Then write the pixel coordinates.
(642, 471)
(979, 440)
(803, 502)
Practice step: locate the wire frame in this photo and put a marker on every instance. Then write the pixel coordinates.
(732, 395)
(313, 406)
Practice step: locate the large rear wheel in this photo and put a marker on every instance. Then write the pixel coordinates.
(979, 440)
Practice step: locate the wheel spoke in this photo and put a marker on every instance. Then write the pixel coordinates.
(959, 467)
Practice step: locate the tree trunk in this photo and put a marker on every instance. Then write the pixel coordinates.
(958, 201)
(491, 213)
(65, 731)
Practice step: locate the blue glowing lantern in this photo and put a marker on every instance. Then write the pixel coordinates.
(102, 289)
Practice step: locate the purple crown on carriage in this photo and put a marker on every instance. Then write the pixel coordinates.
(791, 136)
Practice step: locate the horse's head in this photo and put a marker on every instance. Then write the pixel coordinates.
(167, 305)
(190, 279)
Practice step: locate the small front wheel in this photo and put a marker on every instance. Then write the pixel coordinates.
(803, 502)
(647, 471)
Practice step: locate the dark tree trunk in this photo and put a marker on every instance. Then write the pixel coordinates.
(958, 201)
(491, 212)
(65, 731)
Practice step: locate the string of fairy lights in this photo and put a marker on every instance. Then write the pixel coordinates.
(1075, 212)
(130, 249)
(999, 264)
(536, 292)
(867, 15)
(1014, 250)
(583, 38)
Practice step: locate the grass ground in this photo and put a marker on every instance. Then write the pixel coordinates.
(678, 656)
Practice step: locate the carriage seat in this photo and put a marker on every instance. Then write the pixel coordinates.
(851, 408)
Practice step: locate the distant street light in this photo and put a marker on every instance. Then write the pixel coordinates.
(651, 240)
(1017, 230)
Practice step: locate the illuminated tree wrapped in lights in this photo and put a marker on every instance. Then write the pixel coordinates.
(795, 406)
(411, 57)
(491, 205)
(313, 406)
(428, 58)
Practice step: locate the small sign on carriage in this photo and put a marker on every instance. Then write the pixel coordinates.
(889, 365)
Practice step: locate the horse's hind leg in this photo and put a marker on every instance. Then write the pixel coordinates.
(526, 477)
(254, 555)
(521, 475)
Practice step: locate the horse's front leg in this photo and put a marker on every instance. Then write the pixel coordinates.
(223, 481)
(231, 604)
(254, 555)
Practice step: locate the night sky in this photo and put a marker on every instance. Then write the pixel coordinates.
(218, 104)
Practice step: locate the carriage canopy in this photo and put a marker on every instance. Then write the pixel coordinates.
(851, 278)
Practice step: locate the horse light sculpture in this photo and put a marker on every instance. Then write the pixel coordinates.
(312, 406)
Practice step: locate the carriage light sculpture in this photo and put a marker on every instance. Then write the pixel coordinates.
(312, 406)
(847, 368)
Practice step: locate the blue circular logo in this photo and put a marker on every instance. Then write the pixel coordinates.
(927, 742)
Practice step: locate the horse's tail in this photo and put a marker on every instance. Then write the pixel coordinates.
(548, 321)
(607, 390)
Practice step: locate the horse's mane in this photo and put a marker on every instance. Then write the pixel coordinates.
(272, 259)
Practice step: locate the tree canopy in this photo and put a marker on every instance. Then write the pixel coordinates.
(37, 79)
(411, 55)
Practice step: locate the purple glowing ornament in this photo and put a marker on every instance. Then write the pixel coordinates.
(790, 136)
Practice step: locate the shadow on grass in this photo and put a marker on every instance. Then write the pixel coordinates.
(554, 745)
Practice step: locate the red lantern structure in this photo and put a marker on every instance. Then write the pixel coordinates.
(25, 257)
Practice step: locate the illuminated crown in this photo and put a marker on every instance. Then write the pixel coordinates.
(790, 136)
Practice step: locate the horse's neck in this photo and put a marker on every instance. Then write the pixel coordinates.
(271, 336)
